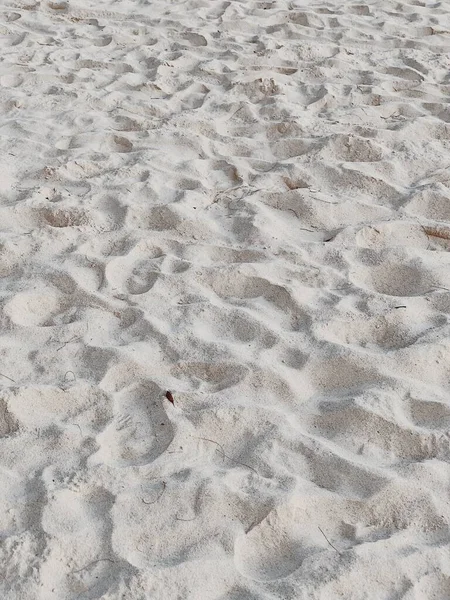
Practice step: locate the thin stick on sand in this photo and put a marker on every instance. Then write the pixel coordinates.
(226, 455)
(6, 377)
(94, 562)
(321, 531)
(159, 495)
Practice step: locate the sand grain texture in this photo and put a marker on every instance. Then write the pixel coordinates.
(246, 203)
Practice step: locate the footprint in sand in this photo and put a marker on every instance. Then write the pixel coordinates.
(34, 307)
(277, 546)
(80, 558)
(140, 431)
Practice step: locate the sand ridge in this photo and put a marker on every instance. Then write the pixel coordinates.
(246, 203)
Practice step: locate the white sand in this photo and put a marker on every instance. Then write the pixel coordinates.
(246, 203)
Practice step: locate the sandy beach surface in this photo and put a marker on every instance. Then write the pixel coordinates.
(245, 203)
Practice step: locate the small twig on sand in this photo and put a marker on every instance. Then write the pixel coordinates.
(242, 464)
(394, 114)
(292, 211)
(66, 373)
(213, 442)
(436, 288)
(226, 455)
(94, 562)
(6, 377)
(236, 112)
(159, 495)
(63, 389)
(76, 425)
(435, 232)
(321, 531)
(75, 337)
(185, 520)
